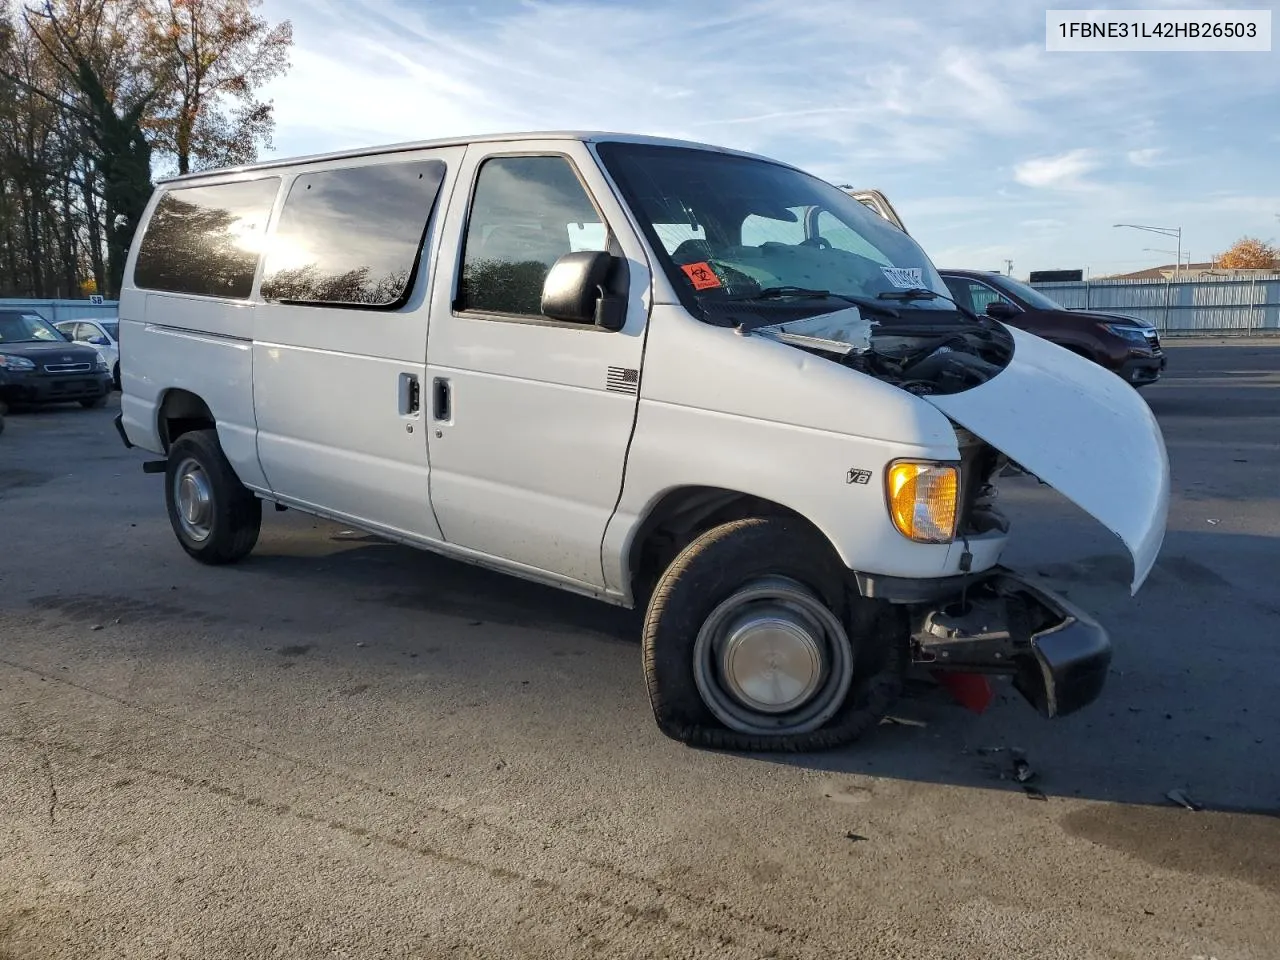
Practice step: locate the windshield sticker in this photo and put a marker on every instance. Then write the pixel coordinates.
(904, 278)
(701, 275)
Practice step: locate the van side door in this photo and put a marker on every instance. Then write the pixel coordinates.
(340, 333)
(530, 418)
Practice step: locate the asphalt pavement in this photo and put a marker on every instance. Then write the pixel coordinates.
(343, 748)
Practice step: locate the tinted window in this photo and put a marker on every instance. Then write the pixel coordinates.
(975, 295)
(206, 240)
(352, 236)
(26, 327)
(527, 212)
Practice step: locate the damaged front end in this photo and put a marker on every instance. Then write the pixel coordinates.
(1003, 625)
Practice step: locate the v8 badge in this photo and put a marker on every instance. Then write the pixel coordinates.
(858, 476)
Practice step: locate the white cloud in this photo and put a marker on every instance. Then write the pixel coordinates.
(1065, 171)
(1146, 157)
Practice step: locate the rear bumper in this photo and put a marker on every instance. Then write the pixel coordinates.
(1056, 654)
(56, 388)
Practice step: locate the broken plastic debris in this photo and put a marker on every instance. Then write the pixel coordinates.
(1180, 797)
(1022, 771)
(840, 331)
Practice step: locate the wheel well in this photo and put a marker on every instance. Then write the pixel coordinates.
(680, 517)
(180, 412)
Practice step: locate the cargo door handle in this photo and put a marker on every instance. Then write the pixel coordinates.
(441, 401)
(410, 395)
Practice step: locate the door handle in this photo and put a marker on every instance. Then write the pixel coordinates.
(441, 401)
(410, 394)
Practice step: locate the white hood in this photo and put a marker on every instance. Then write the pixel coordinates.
(1080, 429)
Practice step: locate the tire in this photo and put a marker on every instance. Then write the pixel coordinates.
(115, 376)
(95, 404)
(222, 517)
(714, 572)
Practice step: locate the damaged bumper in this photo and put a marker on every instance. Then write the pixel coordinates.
(1057, 655)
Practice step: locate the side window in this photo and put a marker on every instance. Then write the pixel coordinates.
(206, 240)
(352, 237)
(526, 213)
(757, 230)
(983, 295)
(843, 238)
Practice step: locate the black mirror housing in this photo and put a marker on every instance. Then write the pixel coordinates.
(999, 310)
(575, 290)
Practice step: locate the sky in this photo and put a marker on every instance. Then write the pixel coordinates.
(990, 148)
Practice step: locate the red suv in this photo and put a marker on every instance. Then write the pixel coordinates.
(1125, 345)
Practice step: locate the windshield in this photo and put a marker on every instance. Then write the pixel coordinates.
(26, 328)
(112, 328)
(1031, 296)
(728, 227)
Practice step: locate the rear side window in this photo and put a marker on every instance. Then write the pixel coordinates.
(206, 240)
(352, 237)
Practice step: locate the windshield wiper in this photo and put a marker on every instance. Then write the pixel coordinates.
(802, 293)
(923, 293)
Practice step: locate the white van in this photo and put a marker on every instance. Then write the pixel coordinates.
(666, 375)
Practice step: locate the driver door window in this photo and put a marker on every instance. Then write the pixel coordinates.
(526, 213)
(977, 296)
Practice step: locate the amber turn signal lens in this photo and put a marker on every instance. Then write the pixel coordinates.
(922, 500)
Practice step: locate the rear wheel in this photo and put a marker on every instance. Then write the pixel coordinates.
(214, 516)
(753, 641)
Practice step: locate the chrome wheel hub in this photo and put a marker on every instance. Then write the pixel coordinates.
(194, 498)
(772, 659)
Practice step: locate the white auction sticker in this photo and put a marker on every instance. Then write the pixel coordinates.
(1138, 31)
(905, 278)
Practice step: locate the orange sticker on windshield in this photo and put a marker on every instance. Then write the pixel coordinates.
(701, 275)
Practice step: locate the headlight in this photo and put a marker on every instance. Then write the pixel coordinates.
(1127, 332)
(923, 498)
(100, 364)
(16, 364)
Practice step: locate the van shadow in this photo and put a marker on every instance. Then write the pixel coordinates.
(1189, 704)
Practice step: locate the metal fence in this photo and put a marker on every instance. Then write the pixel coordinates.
(57, 310)
(1189, 308)
(1192, 307)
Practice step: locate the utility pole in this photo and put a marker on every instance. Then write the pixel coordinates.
(1008, 268)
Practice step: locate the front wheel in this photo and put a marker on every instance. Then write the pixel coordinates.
(215, 517)
(753, 641)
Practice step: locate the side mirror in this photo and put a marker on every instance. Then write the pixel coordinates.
(1000, 310)
(575, 291)
(98, 340)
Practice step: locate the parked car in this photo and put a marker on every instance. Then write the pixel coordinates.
(101, 333)
(1124, 345)
(559, 356)
(40, 365)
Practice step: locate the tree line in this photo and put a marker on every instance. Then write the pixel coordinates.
(95, 97)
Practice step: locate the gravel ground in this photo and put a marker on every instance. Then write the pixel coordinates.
(343, 748)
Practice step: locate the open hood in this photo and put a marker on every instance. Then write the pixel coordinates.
(1080, 429)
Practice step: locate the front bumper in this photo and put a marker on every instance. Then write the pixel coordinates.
(1142, 370)
(1057, 655)
(54, 388)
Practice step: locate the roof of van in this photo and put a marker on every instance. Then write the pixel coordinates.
(586, 136)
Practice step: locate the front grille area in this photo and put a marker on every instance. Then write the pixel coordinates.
(67, 367)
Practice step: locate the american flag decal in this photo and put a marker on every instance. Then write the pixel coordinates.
(623, 380)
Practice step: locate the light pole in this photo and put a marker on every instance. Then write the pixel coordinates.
(1163, 231)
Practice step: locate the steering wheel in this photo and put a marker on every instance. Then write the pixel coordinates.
(822, 243)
